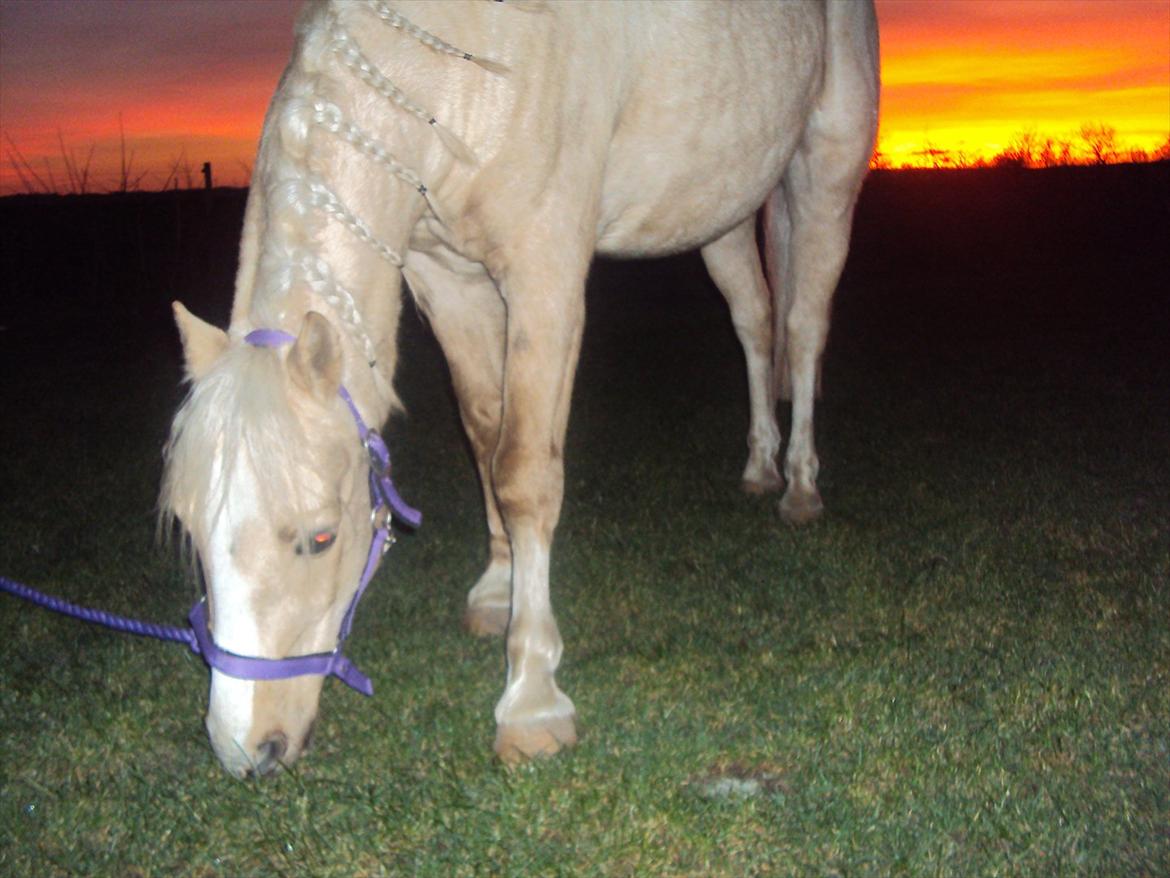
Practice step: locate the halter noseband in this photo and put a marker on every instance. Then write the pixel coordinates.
(386, 504)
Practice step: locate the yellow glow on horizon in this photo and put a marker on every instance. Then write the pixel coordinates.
(962, 77)
(935, 100)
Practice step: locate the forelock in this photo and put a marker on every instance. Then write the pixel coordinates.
(240, 413)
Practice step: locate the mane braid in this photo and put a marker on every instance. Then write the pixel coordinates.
(341, 300)
(328, 116)
(325, 199)
(395, 20)
(353, 58)
(316, 193)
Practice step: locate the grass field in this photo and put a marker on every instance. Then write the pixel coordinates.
(964, 669)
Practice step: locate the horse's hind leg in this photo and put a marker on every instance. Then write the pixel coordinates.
(734, 264)
(467, 315)
(821, 187)
(815, 259)
(821, 220)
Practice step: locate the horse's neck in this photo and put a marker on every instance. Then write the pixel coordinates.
(329, 219)
(339, 182)
(344, 280)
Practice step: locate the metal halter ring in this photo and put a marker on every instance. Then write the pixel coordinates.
(380, 517)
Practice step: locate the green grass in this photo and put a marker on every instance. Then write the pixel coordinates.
(964, 669)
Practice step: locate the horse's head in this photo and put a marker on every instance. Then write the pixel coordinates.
(266, 474)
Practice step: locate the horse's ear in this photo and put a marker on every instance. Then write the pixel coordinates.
(314, 363)
(202, 342)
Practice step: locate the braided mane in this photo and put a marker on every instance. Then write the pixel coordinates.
(313, 200)
(239, 412)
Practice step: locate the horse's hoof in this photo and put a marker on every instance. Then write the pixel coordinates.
(517, 743)
(487, 621)
(763, 485)
(801, 508)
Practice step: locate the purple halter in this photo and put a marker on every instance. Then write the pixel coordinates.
(387, 504)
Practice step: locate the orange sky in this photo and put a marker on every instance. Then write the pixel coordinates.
(970, 74)
(186, 75)
(195, 76)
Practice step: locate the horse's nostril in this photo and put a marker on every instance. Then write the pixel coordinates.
(270, 752)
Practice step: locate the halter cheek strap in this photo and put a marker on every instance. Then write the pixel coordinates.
(386, 505)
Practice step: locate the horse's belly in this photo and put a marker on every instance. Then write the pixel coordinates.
(652, 210)
(708, 130)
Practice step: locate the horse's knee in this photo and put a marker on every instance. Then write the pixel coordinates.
(481, 420)
(528, 485)
(516, 494)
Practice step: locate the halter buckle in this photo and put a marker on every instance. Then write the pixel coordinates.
(377, 452)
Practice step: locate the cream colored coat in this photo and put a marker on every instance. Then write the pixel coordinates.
(542, 134)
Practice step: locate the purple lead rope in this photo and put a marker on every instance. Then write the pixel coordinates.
(100, 617)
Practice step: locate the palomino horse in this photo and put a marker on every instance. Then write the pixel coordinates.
(485, 151)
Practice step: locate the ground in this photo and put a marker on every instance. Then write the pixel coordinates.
(963, 669)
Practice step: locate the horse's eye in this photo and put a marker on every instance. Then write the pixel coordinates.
(318, 542)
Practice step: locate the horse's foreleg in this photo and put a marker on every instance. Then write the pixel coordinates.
(545, 319)
(466, 312)
(734, 264)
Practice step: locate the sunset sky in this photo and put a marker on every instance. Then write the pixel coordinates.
(192, 78)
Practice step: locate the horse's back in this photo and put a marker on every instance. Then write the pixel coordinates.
(665, 123)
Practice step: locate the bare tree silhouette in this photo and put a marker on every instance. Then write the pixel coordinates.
(30, 180)
(1162, 153)
(1100, 142)
(78, 174)
(127, 182)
